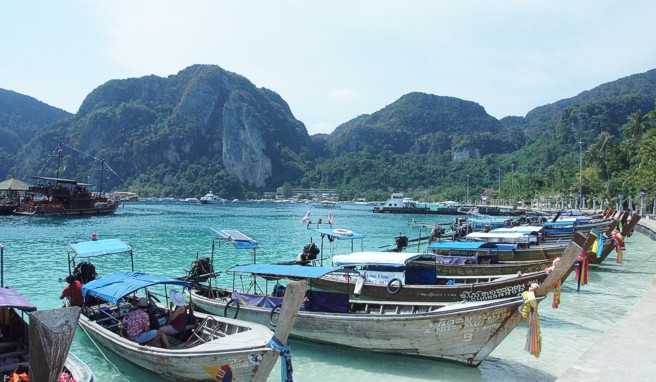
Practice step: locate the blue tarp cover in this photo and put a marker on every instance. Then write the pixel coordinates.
(341, 233)
(473, 245)
(117, 285)
(562, 223)
(458, 245)
(239, 239)
(295, 271)
(100, 247)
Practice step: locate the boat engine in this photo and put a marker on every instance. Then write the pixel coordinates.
(401, 243)
(309, 253)
(201, 270)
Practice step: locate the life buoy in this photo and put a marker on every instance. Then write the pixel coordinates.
(274, 312)
(236, 307)
(343, 232)
(391, 288)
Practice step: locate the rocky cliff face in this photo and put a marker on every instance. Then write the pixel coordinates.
(185, 133)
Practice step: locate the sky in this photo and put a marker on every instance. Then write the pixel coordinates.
(332, 60)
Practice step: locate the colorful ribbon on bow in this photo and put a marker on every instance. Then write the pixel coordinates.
(529, 311)
(286, 371)
(583, 268)
(555, 301)
(619, 246)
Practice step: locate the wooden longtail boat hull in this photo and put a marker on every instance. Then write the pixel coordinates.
(501, 268)
(627, 229)
(200, 363)
(507, 287)
(540, 252)
(461, 332)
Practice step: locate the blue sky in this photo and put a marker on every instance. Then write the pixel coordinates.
(334, 60)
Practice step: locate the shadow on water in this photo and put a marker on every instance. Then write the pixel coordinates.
(606, 269)
(115, 365)
(495, 369)
(337, 358)
(564, 324)
(587, 292)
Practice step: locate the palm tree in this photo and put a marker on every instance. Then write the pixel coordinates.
(635, 127)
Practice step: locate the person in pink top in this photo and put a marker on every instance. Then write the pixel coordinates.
(137, 326)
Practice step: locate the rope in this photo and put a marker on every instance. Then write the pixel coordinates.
(286, 371)
(116, 369)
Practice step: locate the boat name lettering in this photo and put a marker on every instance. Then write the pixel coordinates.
(508, 291)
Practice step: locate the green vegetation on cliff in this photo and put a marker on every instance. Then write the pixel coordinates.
(205, 128)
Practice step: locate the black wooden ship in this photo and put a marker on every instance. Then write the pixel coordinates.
(64, 197)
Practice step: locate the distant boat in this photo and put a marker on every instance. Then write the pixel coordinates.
(210, 198)
(397, 204)
(191, 200)
(235, 200)
(64, 197)
(326, 204)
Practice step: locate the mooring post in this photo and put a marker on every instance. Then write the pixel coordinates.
(294, 296)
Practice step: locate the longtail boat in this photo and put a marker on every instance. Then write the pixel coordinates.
(413, 277)
(23, 346)
(210, 348)
(466, 332)
(507, 246)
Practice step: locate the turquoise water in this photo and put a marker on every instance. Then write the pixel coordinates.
(166, 238)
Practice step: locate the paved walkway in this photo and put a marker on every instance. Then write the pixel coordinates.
(626, 352)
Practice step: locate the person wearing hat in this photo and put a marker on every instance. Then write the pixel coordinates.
(177, 317)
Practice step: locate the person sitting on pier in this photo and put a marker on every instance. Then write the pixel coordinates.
(137, 326)
(177, 318)
(73, 292)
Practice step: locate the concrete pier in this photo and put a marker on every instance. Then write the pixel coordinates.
(625, 352)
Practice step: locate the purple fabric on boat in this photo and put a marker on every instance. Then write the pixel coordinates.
(261, 301)
(327, 302)
(456, 260)
(10, 298)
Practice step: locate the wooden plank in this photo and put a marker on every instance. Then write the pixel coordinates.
(294, 296)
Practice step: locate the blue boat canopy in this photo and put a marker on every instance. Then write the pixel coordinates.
(115, 286)
(236, 237)
(472, 246)
(279, 270)
(100, 247)
(341, 233)
(458, 245)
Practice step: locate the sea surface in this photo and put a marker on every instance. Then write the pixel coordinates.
(167, 237)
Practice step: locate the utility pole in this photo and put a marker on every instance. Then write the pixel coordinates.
(512, 183)
(499, 181)
(467, 201)
(580, 173)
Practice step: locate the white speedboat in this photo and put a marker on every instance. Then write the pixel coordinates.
(210, 198)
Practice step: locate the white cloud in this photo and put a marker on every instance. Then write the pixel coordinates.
(343, 95)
